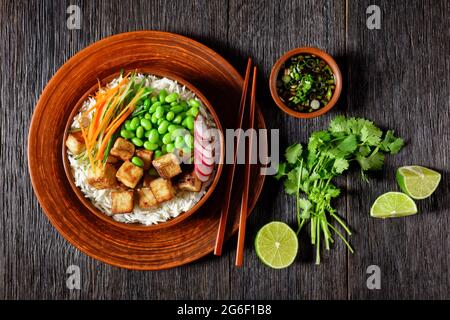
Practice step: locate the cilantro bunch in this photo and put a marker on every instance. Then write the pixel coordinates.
(329, 153)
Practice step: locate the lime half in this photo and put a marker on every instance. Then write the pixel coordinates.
(418, 182)
(276, 245)
(393, 205)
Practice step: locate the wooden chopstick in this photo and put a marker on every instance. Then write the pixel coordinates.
(244, 203)
(230, 176)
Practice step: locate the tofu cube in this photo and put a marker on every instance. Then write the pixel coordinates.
(147, 179)
(129, 174)
(146, 199)
(188, 181)
(167, 166)
(122, 149)
(103, 178)
(75, 142)
(162, 189)
(122, 201)
(146, 156)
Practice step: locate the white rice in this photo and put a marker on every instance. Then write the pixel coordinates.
(182, 202)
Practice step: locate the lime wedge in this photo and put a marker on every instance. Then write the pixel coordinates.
(418, 182)
(276, 245)
(393, 205)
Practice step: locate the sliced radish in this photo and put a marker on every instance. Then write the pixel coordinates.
(199, 158)
(201, 177)
(201, 129)
(205, 152)
(204, 169)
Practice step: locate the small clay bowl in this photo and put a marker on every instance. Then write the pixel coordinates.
(280, 63)
(135, 226)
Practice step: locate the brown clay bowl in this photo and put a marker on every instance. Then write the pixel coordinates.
(135, 226)
(279, 64)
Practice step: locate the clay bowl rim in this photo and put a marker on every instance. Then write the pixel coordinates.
(137, 226)
(324, 56)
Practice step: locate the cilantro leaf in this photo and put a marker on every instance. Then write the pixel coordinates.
(338, 125)
(371, 135)
(293, 153)
(340, 165)
(391, 143)
(281, 171)
(373, 162)
(349, 144)
(305, 206)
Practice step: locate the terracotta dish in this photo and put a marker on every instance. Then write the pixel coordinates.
(305, 50)
(134, 248)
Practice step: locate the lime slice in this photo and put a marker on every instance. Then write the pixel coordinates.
(418, 182)
(276, 245)
(393, 205)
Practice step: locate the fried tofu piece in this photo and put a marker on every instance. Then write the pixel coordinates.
(146, 156)
(147, 179)
(75, 142)
(188, 181)
(162, 189)
(129, 174)
(122, 201)
(146, 199)
(123, 149)
(111, 159)
(103, 178)
(167, 165)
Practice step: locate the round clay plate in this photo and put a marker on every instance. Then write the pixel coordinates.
(140, 249)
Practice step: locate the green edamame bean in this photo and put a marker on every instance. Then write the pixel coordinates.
(157, 154)
(154, 99)
(189, 140)
(174, 103)
(192, 112)
(194, 103)
(172, 127)
(170, 147)
(163, 149)
(184, 104)
(140, 132)
(167, 138)
(153, 136)
(189, 122)
(150, 146)
(177, 119)
(147, 103)
(159, 121)
(137, 161)
(146, 134)
(147, 124)
(170, 115)
(134, 123)
(126, 134)
(177, 109)
(137, 142)
(159, 112)
(154, 119)
(162, 128)
(127, 125)
(171, 97)
(162, 95)
(179, 142)
(153, 107)
(147, 116)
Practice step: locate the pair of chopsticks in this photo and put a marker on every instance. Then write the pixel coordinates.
(230, 177)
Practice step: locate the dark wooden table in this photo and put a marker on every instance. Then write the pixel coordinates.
(397, 76)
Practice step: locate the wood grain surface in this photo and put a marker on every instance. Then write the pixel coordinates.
(397, 76)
